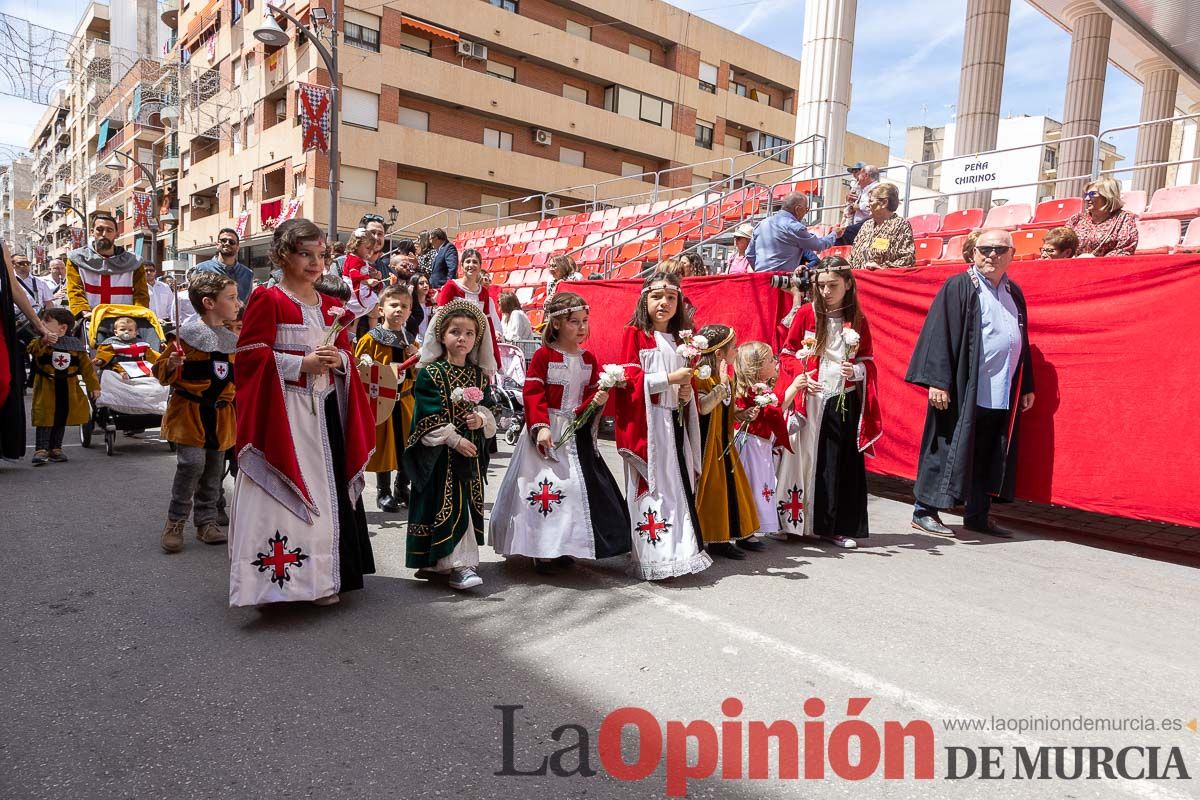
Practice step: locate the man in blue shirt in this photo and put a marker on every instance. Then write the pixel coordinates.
(973, 357)
(781, 241)
(445, 259)
(226, 263)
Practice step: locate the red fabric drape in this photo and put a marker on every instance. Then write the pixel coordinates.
(1113, 429)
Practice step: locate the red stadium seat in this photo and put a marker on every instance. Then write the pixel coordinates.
(841, 251)
(928, 249)
(1191, 239)
(958, 223)
(1009, 216)
(1029, 243)
(1174, 202)
(924, 224)
(1053, 213)
(1157, 236)
(953, 253)
(1134, 201)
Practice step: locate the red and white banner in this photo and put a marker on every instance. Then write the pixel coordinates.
(77, 236)
(314, 116)
(291, 208)
(142, 202)
(242, 220)
(1113, 429)
(136, 369)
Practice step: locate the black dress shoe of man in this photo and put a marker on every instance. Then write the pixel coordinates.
(931, 524)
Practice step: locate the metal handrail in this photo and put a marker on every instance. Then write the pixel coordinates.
(1096, 153)
(1164, 164)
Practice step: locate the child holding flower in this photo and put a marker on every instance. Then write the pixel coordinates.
(305, 430)
(834, 419)
(446, 457)
(724, 499)
(761, 430)
(558, 500)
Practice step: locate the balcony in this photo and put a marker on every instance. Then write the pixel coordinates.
(169, 12)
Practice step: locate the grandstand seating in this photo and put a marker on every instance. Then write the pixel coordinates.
(1174, 202)
(1134, 201)
(953, 253)
(1028, 243)
(929, 248)
(961, 222)
(925, 224)
(1157, 236)
(1009, 216)
(1191, 239)
(1053, 213)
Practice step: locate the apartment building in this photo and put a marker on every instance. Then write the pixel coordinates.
(16, 205)
(477, 104)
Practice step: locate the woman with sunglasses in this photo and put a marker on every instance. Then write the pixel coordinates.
(472, 287)
(1104, 227)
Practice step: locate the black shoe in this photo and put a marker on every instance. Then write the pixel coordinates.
(543, 566)
(58, 456)
(751, 544)
(401, 494)
(566, 562)
(387, 503)
(931, 524)
(988, 527)
(728, 550)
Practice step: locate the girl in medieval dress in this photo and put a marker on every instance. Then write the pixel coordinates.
(305, 431)
(658, 435)
(470, 287)
(446, 457)
(834, 419)
(762, 430)
(561, 503)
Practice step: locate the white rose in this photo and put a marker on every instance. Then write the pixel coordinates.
(700, 341)
(704, 373)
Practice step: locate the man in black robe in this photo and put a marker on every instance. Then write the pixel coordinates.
(973, 357)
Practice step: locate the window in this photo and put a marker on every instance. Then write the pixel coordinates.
(358, 183)
(507, 5)
(360, 108)
(236, 69)
(300, 182)
(247, 65)
(708, 78)
(410, 191)
(248, 130)
(501, 71)
(768, 142)
(704, 134)
(411, 118)
(577, 29)
(272, 184)
(1051, 159)
(787, 104)
(635, 105)
(575, 93)
(491, 204)
(737, 88)
(361, 30)
(639, 52)
(652, 110)
(497, 139)
(235, 132)
(415, 44)
(762, 97)
(568, 156)
(629, 170)
(733, 142)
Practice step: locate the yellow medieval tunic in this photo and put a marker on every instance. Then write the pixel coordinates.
(200, 412)
(724, 499)
(57, 396)
(385, 347)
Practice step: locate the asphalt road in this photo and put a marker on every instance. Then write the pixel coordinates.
(127, 676)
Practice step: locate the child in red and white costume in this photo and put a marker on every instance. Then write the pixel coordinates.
(470, 287)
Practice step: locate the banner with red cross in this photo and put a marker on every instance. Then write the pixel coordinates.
(383, 388)
(77, 234)
(314, 116)
(142, 210)
(242, 220)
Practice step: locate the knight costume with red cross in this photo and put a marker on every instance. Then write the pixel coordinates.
(94, 279)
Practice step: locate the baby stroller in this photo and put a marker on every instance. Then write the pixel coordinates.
(125, 405)
(510, 383)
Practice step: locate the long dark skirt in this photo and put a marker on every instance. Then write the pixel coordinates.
(610, 515)
(685, 476)
(355, 558)
(840, 490)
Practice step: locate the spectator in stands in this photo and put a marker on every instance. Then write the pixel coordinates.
(692, 265)
(1104, 227)
(562, 268)
(858, 211)
(738, 262)
(515, 322)
(424, 254)
(781, 241)
(1060, 243)
(968, 246)
(885, 240)
(445, 259)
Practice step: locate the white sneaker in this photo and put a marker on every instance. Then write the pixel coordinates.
(843, 541)
(465, 578)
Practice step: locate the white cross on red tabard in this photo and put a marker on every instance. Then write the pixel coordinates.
(106, 291)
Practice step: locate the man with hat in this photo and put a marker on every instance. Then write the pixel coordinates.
(100, 272)
(858, 202)
(738, 262)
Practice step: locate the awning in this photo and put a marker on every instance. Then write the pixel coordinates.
(431, 29)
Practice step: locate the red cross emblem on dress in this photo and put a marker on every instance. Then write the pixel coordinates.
(652, 527)
(221, 369)
(545, 498)
(104, 291)
(61, 360)
(793, 507)
(383, 387)
(767, 493)
(279, 560)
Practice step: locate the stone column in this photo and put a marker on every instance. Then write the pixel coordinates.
(980, 85)
(1091, 30)
(823, 97)
(1160, 84)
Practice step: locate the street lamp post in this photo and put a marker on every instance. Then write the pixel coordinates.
(270, 33)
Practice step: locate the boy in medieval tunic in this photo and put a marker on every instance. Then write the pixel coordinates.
(200, 419)
(102, 273)
(446, 458)
(305, 429)
(58, 362)
(387, 346)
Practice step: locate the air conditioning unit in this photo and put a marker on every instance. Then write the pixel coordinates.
(541, 137)
(201, 202)
(551, 204)
(475, 50)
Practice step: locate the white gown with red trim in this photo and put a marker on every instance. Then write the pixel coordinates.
(455, 290)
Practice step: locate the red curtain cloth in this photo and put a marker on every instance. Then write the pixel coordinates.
(1114, 426)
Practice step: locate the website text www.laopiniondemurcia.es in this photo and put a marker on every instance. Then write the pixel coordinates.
(852, 749)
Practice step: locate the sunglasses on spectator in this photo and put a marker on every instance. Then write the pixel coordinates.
(1090, 195)
(228, 241)
(20, 263)
(366, 218)
(992, 249)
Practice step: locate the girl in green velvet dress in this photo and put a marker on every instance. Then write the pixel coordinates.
(446, 456)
